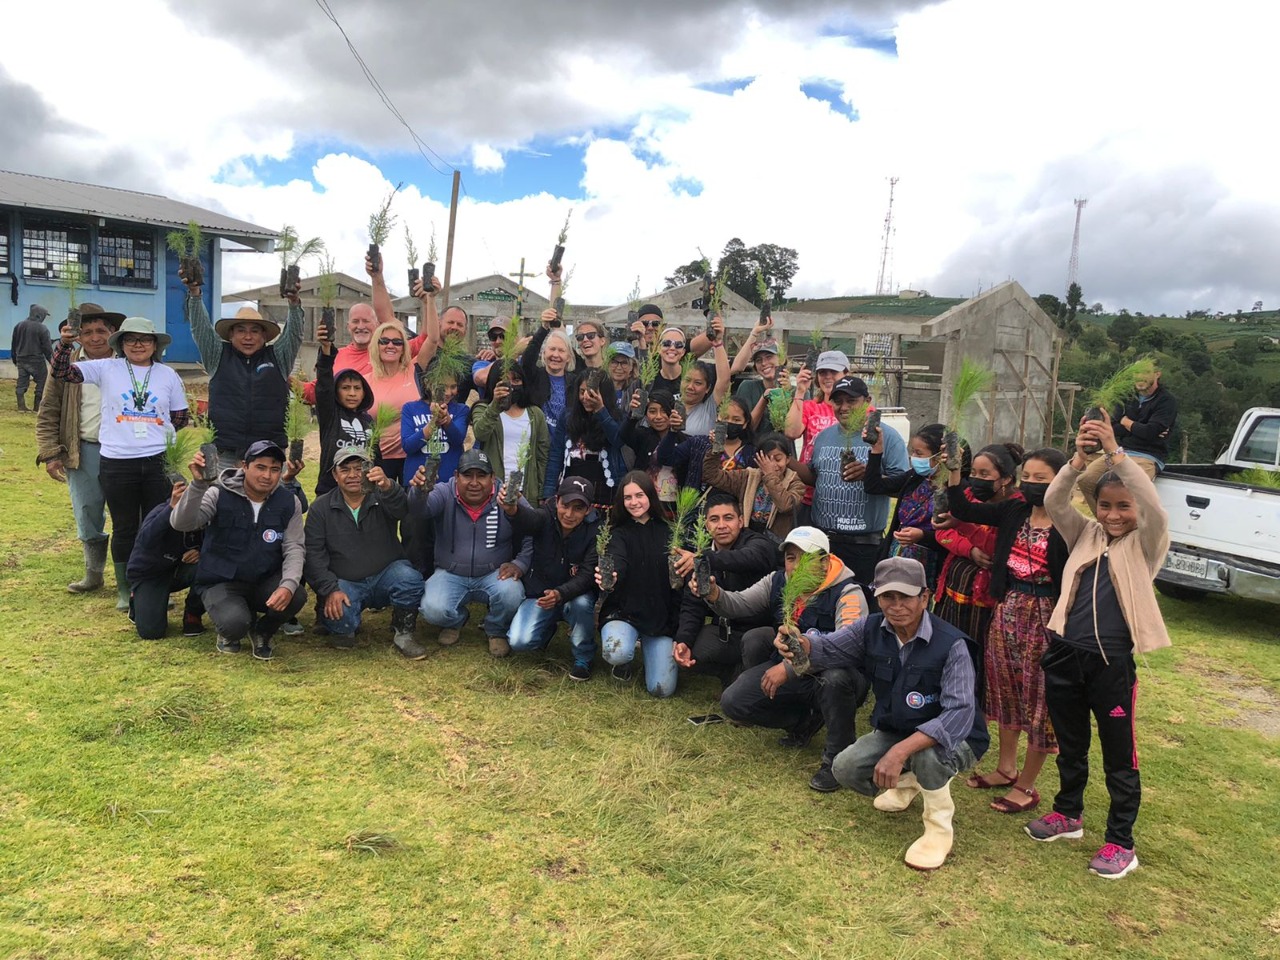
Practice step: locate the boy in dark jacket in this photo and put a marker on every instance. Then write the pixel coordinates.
(739, 557)
(342, 407)
(560, 584)
(163, 562)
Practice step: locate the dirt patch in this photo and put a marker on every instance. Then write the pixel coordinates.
(1258, 705)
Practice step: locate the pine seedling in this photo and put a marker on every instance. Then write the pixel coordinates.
(382, 220)
(383, 417)
(686, 364)
(179, 448)
(202, 429)
(688, 500)
(603, 535)
(70, 279)
(1259, 477)
(522, 451)
(411, 250)
(297, 417)
(563, 237)
(717, 294)
(327, 285)
(293, 249)
(189, 243)
(633, 298)
(509, 353)
(650, 367)
(1121, 385)
(722, 410)
(852, 423)
(449, 363)
(701, 537)
(432, 252)
(972, 380)
(809, 573)
(779, 406)
(762, 288)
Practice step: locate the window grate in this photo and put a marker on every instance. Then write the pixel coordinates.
(126, 259)
(48, 246)
(4, 244)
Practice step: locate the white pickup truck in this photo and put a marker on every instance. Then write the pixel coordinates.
(1225, 535)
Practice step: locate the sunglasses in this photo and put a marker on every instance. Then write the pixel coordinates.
(390, 341)
(589, 335)
(495, 336)
(652, 324)
(673, 343)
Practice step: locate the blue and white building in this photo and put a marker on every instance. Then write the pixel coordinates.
(118, 239)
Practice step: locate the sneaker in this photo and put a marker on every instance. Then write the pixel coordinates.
(1113, 861)
(292, 628)
(1054, 826)
(192, 626)
(261, 647)
(623, 672)
(580, 671)
(448, 636)
(499, 647)
(824, 781)
(228, 646)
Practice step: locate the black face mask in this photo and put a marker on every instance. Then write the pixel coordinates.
(982, 490)
(519, 397)
(1033, 493)
(734, 431)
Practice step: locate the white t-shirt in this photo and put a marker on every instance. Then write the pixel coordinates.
(127, 432)
(514, 431)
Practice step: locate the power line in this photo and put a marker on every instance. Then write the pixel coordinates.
(422, 146)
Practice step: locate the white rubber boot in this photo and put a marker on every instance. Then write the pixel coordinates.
(930, 851)
(898, 798)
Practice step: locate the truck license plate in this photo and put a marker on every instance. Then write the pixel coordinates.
(1187, 565)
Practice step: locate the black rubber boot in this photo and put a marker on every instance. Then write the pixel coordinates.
(403, 621)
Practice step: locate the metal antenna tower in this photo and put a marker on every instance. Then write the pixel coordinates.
(1073, 266)
(886, 241)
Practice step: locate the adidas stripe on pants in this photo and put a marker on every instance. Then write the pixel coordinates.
(1078, 683)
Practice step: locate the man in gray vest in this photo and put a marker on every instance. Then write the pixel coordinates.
(31, 349)
(250, 569)
(248, 360)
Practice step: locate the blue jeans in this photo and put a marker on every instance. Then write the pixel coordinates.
(399, 585)
(855, 766)
(88, 502)
(618, 643)
(533, 627)
(444, 603)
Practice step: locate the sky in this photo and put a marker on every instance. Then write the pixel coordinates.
(675, 125)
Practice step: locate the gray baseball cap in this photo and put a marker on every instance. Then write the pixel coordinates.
(901, 575)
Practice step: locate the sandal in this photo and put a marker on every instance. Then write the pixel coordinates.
(1005, 805)
(984, 781)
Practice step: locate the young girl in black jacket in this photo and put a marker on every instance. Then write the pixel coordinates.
(642, 607)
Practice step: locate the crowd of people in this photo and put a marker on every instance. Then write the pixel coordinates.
(802, 567)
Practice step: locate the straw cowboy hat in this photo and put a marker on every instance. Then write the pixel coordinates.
(247, 315)
(139, 325)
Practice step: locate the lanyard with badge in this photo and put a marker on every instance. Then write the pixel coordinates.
(141, 391)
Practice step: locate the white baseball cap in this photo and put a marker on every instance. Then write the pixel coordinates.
(808, 539)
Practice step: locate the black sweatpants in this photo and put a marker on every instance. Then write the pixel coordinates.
(132, 488)
(151, 600)
(717, 657)
(836, 693)
(1076, 684)
(232, 606)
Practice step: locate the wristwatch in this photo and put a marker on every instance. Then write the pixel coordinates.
(1108, 457)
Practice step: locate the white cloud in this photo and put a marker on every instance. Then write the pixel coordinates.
(485, 159)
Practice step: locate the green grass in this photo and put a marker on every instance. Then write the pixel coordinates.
(160, 800)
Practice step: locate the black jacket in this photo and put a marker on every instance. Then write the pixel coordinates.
(559, 563)
(158, 549)
(643, 596)
(337, 424)
(1007, 517)
(752, 556)
(1152, 423)
(340, 548)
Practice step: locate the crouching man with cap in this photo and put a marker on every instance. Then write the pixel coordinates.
(479, 557)
(926, 727)
(560, 584)
(354, 556)
(251, 562)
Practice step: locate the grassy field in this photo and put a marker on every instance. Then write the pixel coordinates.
(161, 800)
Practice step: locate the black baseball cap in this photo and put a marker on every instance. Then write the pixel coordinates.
(852, 386)
(576, 488)
(474, 459)
(265, 448)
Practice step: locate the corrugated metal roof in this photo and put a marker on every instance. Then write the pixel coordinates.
(87, 199)
(878, 306)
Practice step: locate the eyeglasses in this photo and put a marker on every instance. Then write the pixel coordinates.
(390, 341)
(589, 335)
(135, 339)
(673, 343)
(652, 324)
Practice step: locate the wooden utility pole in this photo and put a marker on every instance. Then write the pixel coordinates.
(448, 249)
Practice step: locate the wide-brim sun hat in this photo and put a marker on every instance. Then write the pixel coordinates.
(247, 315)
(139, 325)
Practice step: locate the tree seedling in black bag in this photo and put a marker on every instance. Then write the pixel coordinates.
(381, 221)
(293, 251)
(557, 255)
(69, 276)
(188, 245)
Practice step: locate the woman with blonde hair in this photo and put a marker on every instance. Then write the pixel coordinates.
(391, 380)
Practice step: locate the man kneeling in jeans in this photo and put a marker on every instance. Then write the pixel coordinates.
(478, 555)
(354, 556)
(925, 725)
(560, 584)
(250, 568)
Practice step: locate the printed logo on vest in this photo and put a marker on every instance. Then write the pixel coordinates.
(916, 700)
(270, 536)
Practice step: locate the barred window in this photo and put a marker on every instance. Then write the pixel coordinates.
(49, 245)
(4, 244)
(126, 259)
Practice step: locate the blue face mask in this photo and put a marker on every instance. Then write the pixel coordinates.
(922, 465)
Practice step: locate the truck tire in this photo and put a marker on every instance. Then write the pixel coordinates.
(1179, 592)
